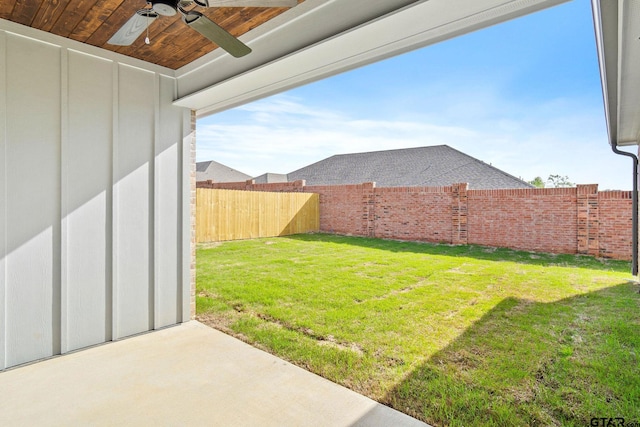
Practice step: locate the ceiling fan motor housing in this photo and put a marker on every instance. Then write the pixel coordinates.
(165, 7)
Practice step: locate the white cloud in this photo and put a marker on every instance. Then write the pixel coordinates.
(295, 135)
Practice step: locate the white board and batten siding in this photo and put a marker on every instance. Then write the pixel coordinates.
(93, 175)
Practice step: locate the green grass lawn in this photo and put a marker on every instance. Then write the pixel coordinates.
(452, 335)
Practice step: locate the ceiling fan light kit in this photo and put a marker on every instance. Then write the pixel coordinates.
(136, 25)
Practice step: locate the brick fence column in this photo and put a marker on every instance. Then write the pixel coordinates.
(588, 221)
(459, 210)
(369, 208)
(298, 186)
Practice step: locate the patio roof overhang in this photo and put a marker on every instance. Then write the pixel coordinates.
(294, 49)
(291, 47)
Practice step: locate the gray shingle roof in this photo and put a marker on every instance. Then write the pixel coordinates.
(438, 165)
(217, 172)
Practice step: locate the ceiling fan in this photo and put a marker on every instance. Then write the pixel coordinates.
(136, 25)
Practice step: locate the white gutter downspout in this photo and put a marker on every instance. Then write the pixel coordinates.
(607, 18)
(634, 204)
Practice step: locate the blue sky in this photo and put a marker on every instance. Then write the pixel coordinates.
(524, 96)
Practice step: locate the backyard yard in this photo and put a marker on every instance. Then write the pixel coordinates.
(452, 335)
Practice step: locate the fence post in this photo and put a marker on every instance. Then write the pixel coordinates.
(459, 211)
(588, 221)
(298, 186)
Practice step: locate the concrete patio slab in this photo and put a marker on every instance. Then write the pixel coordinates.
(187, 375)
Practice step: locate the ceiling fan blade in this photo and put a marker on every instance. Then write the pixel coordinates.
(132, 29)
(247, 3)
(215, 33)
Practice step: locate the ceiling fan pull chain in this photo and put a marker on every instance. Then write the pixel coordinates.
(146, 39)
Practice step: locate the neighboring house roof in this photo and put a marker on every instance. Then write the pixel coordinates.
(433, 166)
(268, 178)
(217, 172)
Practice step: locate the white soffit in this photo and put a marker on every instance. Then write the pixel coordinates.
(605, 21)
(416, 25)
(628, 84)
(617, 25)
(629, 73)
(300, 27)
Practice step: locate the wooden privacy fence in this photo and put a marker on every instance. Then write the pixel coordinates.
(232, 215)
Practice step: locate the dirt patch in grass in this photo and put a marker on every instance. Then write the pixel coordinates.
(330, 341)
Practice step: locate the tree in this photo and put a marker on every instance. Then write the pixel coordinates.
(537, 182)
(558, 181)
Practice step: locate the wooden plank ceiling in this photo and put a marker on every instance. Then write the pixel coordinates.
(173, 43)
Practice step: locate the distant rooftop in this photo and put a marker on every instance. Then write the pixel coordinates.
(217, 172)
(433, 166)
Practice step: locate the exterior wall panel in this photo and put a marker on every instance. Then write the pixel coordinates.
(32, 211)
(167, 208)
(92, 216)
(3, 194)
(87, 203)
(133, 203)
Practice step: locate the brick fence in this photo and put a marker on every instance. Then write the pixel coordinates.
(578, 220)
